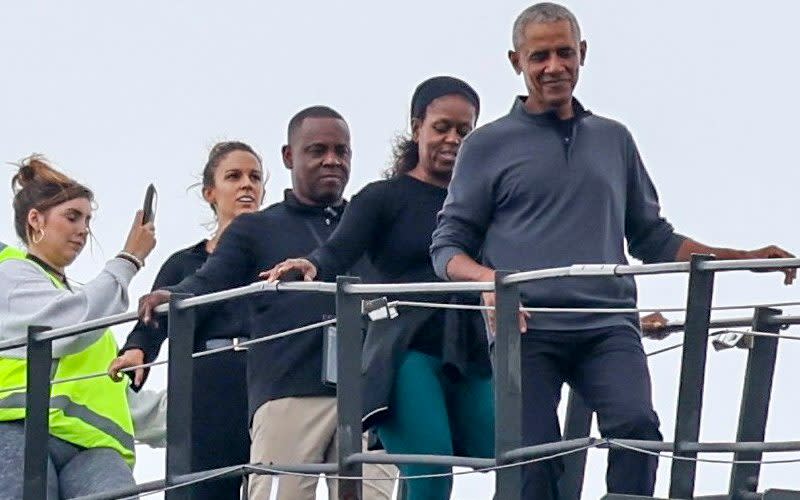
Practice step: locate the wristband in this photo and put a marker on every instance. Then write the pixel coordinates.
(136, 261)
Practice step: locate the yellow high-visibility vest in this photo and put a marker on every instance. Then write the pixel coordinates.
(91, 413)
(9, 251)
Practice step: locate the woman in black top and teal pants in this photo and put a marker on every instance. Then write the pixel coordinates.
(436, 398)
(233, 183)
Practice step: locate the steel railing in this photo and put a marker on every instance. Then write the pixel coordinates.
(349, 293)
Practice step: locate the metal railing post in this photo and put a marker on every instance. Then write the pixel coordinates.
(179, 394)
(37, 406)
(693, 368)
(577, 424)
(348, 386)
(755, 400)
(507, 386)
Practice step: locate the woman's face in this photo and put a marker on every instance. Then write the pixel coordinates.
(447, 120)
(59, 234)
(238, 186)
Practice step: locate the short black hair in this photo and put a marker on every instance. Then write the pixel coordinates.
(310, 112)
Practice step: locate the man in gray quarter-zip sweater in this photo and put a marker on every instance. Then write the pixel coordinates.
(552, 185)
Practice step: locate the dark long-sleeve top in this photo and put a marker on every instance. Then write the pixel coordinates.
(391, 222)
(221, 320)
(289, 366)
(219, 399)
(526, 196)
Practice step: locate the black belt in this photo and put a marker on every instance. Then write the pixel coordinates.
(219, 343)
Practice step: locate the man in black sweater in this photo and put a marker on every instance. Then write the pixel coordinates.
(552, 185)
(293, 414)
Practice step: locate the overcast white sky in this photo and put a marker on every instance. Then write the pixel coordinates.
(122, 94)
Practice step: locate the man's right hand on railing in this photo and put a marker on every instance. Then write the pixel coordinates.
(149, 302)
(291, 270)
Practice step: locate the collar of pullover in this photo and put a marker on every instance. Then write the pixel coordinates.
(549, 118)
(291, 201)
(50, 269)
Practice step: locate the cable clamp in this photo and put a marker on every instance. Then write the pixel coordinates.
(378, 309)
(728, 339)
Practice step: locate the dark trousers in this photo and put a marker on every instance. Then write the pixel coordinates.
(608, 368)
(220, 435)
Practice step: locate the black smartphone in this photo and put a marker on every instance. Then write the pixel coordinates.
(150, 202)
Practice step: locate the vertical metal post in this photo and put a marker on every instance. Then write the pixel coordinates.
(348, 386)
(578, 424)
(693, 370)
(507, 386)
(37, 405)
(755, 400)
(180, 330)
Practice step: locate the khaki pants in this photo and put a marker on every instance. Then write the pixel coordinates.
(290, 431)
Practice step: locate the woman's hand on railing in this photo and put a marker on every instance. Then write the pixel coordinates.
(147, 303)
(291, 270)
(131, 357)
(654, 326)
(141, 238)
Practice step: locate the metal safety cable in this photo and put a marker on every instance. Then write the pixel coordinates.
(241, 345)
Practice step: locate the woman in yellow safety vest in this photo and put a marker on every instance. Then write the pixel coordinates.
(91, 443)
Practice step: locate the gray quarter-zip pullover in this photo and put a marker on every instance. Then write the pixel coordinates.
(527, 195)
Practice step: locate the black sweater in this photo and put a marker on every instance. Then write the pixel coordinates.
(391, 222)
(220, 320)
(289, 366)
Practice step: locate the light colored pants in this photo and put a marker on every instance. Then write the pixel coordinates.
(290, 431)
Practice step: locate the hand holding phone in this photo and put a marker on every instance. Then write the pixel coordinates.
(142, 238)
(150, 204)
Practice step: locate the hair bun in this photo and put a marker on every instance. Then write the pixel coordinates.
(38, 185)
(36, 169)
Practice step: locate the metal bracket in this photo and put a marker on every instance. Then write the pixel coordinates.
(728, 339)
(378, 309)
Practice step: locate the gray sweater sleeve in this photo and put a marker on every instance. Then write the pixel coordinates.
(651, 238)
(28, 297)
(467, 210)
(149, 414)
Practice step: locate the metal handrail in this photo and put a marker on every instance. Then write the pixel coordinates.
(582, 270)
(749, 264)
(348, 292)
(598, 270)
(211, 298)
(429, 287)
(259, 287)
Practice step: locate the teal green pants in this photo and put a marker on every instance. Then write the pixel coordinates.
(434, 415)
